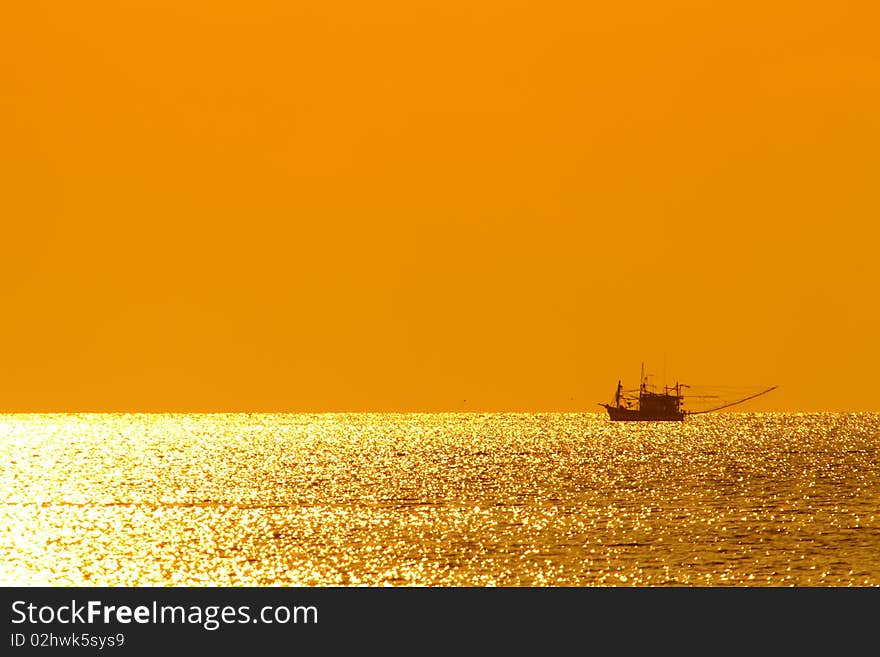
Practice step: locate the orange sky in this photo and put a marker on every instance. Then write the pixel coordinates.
(331, 206)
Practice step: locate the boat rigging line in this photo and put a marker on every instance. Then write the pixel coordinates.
(740, 401)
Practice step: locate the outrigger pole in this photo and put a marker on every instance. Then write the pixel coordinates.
(718, 408)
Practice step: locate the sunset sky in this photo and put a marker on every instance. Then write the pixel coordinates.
(428, 206)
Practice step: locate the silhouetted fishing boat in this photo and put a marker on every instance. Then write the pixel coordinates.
(651, 406)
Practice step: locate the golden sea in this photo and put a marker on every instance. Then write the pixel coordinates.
(738, 499)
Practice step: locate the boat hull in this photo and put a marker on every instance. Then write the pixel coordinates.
(634, 415)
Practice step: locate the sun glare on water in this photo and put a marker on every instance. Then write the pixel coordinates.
(439, 500)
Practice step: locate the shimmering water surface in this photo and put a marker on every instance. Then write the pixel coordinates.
(439, 500)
